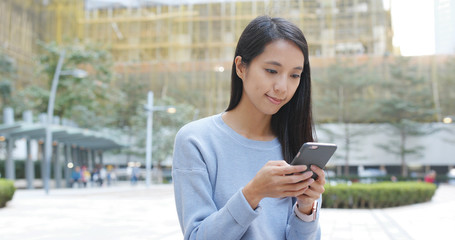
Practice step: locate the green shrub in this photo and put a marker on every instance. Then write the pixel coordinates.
(7, 190)
(376, 195)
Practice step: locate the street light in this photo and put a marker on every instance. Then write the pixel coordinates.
(148, 148)
(448, 119)
(50, 114)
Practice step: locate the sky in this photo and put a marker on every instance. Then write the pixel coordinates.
(413, 25)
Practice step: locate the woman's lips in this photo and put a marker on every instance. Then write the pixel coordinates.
(275, 101)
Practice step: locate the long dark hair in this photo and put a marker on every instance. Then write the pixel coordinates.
(293, 123)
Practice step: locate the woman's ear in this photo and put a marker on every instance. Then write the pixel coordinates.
(239, 67)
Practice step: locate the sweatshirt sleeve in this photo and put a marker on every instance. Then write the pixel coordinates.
(198, 214)
(299, 229)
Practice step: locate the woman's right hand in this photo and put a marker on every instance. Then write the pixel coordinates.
(277, 179)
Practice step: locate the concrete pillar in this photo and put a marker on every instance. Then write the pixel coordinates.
(43, 162)
(85, 157)
(57, 166)
(9, 164)
(91, 162)
(29, 167)
(8, 116)
(74, 156)
(427, 168)
(27, 116)
(101, 157)
(78, 156)
(67, 151)
(339, 170)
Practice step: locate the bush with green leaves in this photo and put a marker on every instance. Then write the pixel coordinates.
(376, 195)
(7, 190)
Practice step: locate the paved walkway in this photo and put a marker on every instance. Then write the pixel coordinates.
(126, 212)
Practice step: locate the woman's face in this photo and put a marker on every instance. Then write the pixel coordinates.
(272, 77)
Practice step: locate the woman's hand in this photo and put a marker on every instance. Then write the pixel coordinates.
(278, 179)
(314, 191)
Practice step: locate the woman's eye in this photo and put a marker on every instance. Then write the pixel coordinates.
(295, 76)
(271, 71)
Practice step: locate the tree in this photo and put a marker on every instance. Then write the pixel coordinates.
(7, 73)
(344, 86)
(406, 102)
(5, 92)
(81, 99)
(128, 112)
(165, 127)
(446, 87)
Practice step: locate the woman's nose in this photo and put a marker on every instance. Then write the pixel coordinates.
(280, 84)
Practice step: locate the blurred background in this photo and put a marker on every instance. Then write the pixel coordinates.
(383, 76)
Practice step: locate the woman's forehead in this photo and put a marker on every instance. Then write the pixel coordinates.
(282, 52)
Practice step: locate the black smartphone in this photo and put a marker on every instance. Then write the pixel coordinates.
(314, 153)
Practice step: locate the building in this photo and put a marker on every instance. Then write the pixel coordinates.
(176, 31)
(181, 31)
(189, 44)
(185, 45)
(444, 22)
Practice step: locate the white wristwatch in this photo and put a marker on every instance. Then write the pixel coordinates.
(305, 217)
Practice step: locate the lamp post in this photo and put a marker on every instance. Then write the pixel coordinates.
(148, 148)
(50, 114)
(448, 119)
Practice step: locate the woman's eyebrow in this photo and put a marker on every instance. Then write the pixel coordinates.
(279, 64)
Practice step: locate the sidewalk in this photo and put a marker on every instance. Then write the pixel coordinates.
(431, 220)
(137, 212)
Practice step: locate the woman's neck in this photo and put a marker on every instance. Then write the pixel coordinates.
(249, 123)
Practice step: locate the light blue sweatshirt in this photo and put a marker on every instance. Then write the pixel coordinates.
(212, 164)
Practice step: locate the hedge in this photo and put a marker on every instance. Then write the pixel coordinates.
(376, 195)
(441, 178)
(7, 190)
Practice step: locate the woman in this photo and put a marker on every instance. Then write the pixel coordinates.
(229, 179)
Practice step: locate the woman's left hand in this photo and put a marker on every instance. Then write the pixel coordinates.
(313, 192)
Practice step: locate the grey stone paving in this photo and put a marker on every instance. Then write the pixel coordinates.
(127, 212)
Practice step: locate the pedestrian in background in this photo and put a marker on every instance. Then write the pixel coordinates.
(76, 177)
(85, 176)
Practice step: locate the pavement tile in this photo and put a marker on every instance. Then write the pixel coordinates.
(137, 212)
